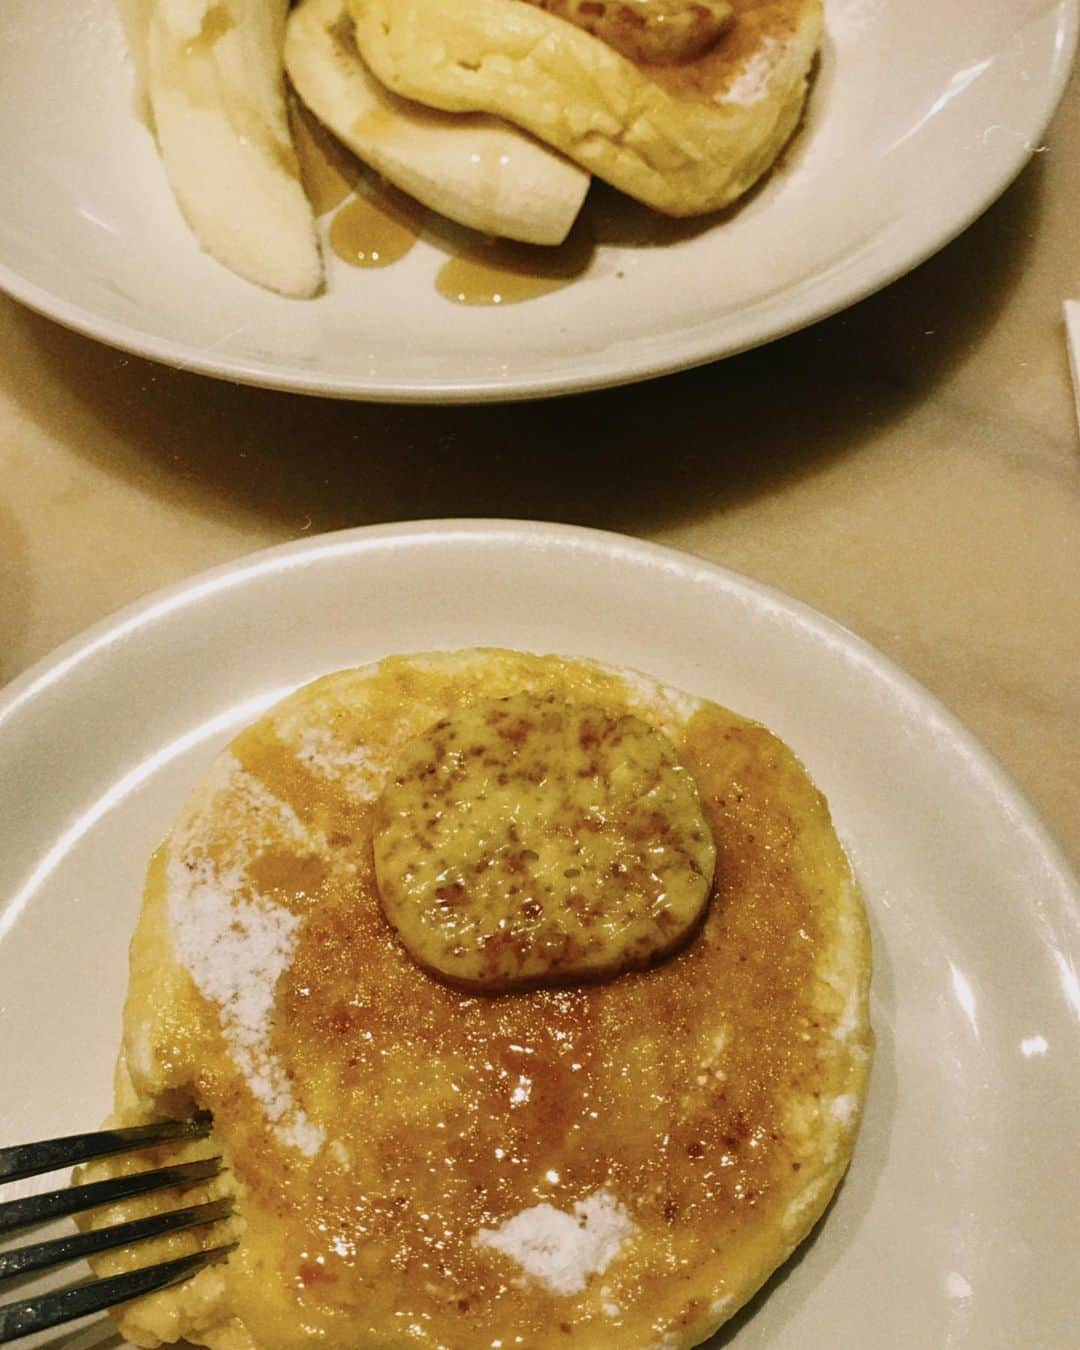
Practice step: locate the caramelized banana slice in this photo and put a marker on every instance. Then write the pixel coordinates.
(527, 840)
(657, 32)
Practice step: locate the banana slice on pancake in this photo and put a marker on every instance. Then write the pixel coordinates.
(685, 136)
(214, 82)
(657, 32)
(474, 169)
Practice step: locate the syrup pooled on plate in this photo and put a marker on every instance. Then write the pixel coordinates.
(376, 224)
(501, 272)
(375, 229)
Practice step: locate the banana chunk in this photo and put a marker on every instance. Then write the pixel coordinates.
(526, 840)
(214, 80)
(474, 169)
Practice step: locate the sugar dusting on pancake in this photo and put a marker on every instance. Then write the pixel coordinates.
(409, 1159)
(236, 944)
(751, 83)
(562, 1250)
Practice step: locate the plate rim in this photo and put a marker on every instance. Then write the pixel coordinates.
(698, 347)
(982, 789)
(983, 773)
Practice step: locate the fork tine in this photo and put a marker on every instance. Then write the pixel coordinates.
(27, 1160)
(79, 1300)
(72, 1199)
(55, 1252)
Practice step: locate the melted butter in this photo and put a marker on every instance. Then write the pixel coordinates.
(376, 229)
(501, 272)
(527, 839)
(328, 171)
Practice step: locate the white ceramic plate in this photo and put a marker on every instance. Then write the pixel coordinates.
(956, 1224)
(918, 119)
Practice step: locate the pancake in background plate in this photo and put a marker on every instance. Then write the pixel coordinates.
(605, 1162)
(684, 136)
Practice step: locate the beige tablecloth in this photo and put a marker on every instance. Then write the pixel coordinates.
(909, 467)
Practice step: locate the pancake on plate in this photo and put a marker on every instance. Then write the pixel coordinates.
(684, 123)
(529, 999)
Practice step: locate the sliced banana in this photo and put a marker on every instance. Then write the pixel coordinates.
(474, 169)
(213, 71)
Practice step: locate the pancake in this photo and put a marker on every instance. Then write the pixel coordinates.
(685, 137)
(608, 1162)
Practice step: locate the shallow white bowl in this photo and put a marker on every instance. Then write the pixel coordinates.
(918, 119)
(956, 1224)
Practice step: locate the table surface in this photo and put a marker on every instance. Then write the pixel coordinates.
(908, 467)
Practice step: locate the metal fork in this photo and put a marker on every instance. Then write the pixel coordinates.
(42, 1311)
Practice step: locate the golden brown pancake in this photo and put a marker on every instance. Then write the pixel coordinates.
(686, 137)
(621, 1162)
